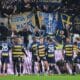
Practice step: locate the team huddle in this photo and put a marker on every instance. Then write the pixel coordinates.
(48, 56)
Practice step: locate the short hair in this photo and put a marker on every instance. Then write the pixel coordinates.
(50, 40)
(1, 23)
(75, 43)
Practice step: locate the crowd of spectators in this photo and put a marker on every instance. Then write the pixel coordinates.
(9, 7)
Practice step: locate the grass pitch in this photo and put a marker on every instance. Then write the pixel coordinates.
(40, 77)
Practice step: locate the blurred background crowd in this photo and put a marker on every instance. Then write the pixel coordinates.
(71, 8)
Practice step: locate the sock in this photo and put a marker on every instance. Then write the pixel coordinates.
(6, 70)
(18, 68)
(21, 69)
(40, 67)
(73, 70)
(58, 70)
(50, 68)
(54, 70)
(68, 68)
(1, 69)
(33, 67)
(78, 65)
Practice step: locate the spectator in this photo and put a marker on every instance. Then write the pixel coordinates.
(36, 32)
(43, 30)
(4, 32)
(25, 33)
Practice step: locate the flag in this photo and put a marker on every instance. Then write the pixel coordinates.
(19, 21)
(49, 20)
(66, 19)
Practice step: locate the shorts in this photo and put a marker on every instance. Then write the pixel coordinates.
(60, 63)
(18, 59)
(68, 59)
(5, 59)
(51, 59)
(34, 58)
(43, 58)
(77, 59)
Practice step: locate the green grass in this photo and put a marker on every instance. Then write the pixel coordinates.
(41, 77)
